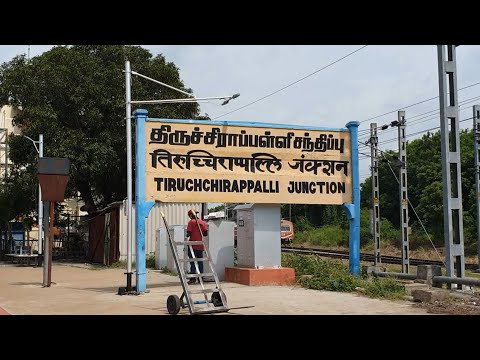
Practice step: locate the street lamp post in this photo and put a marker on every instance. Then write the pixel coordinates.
(128, 99)
(40, 205)
(129, 102)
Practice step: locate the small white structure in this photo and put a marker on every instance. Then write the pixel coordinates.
(215, 215)
(220, 246)
(161, 245)
(177, 232)
(258, 236)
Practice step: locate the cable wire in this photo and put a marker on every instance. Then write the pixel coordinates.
(427, 118)
(420, 102)
(420, 132)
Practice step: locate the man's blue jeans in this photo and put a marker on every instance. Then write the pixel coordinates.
(198, 254)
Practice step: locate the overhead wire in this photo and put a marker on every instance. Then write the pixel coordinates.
(293, 83)
(419, 132)
(417, 103)
(424, 118)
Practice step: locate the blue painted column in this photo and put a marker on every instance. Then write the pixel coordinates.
(353, 210)
(142, 207)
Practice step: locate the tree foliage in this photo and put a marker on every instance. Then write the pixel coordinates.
(425, 192)
(75, 97)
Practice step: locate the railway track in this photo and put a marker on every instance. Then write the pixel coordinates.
(386, 259)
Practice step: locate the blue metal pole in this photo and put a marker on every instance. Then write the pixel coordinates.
(142, 207)
(353, 209)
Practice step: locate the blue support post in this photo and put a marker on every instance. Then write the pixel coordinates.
(142, 207)
(353, 209)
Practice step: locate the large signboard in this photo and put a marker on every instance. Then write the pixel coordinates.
(214, 162)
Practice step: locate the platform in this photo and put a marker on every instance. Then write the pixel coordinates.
(84, 289)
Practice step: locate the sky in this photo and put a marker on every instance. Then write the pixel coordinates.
(372, 81)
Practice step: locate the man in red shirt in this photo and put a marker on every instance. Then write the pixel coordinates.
(195, 229)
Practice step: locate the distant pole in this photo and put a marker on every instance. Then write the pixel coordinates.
(128, 99)
(40, 204)
(68, 227)
(402, 154)
(375, 191)
(476, 141)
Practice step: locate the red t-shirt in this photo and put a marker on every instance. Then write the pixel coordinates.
(195, 234)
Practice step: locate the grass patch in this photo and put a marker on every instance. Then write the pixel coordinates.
(166, 271)
(96, 267)
(318, 274)
(122, 264)
(386, 288)
(324, 275)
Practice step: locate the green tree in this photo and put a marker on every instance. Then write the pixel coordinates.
(217, 208)
(75, 96)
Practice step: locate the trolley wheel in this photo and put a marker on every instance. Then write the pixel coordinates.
(217, 299)
(173, 304)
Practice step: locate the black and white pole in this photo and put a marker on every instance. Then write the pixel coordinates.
(375, 191)
(476, 157)
(402, 154)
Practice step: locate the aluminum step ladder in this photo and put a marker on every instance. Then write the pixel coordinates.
(196, 299)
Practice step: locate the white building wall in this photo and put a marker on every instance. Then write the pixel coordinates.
(7, 114)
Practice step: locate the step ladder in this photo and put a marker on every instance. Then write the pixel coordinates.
(196, 299)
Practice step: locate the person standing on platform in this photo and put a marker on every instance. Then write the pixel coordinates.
(196, 229)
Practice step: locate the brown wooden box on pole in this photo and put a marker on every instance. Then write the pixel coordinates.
(53, 174)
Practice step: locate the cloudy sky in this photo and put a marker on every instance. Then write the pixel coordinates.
(375, 80)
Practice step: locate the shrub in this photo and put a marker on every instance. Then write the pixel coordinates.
(388, 232)
(302, 224)
(150, 261)
(325, 275)
(328, 236)
(388, 288)
(315, 273)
